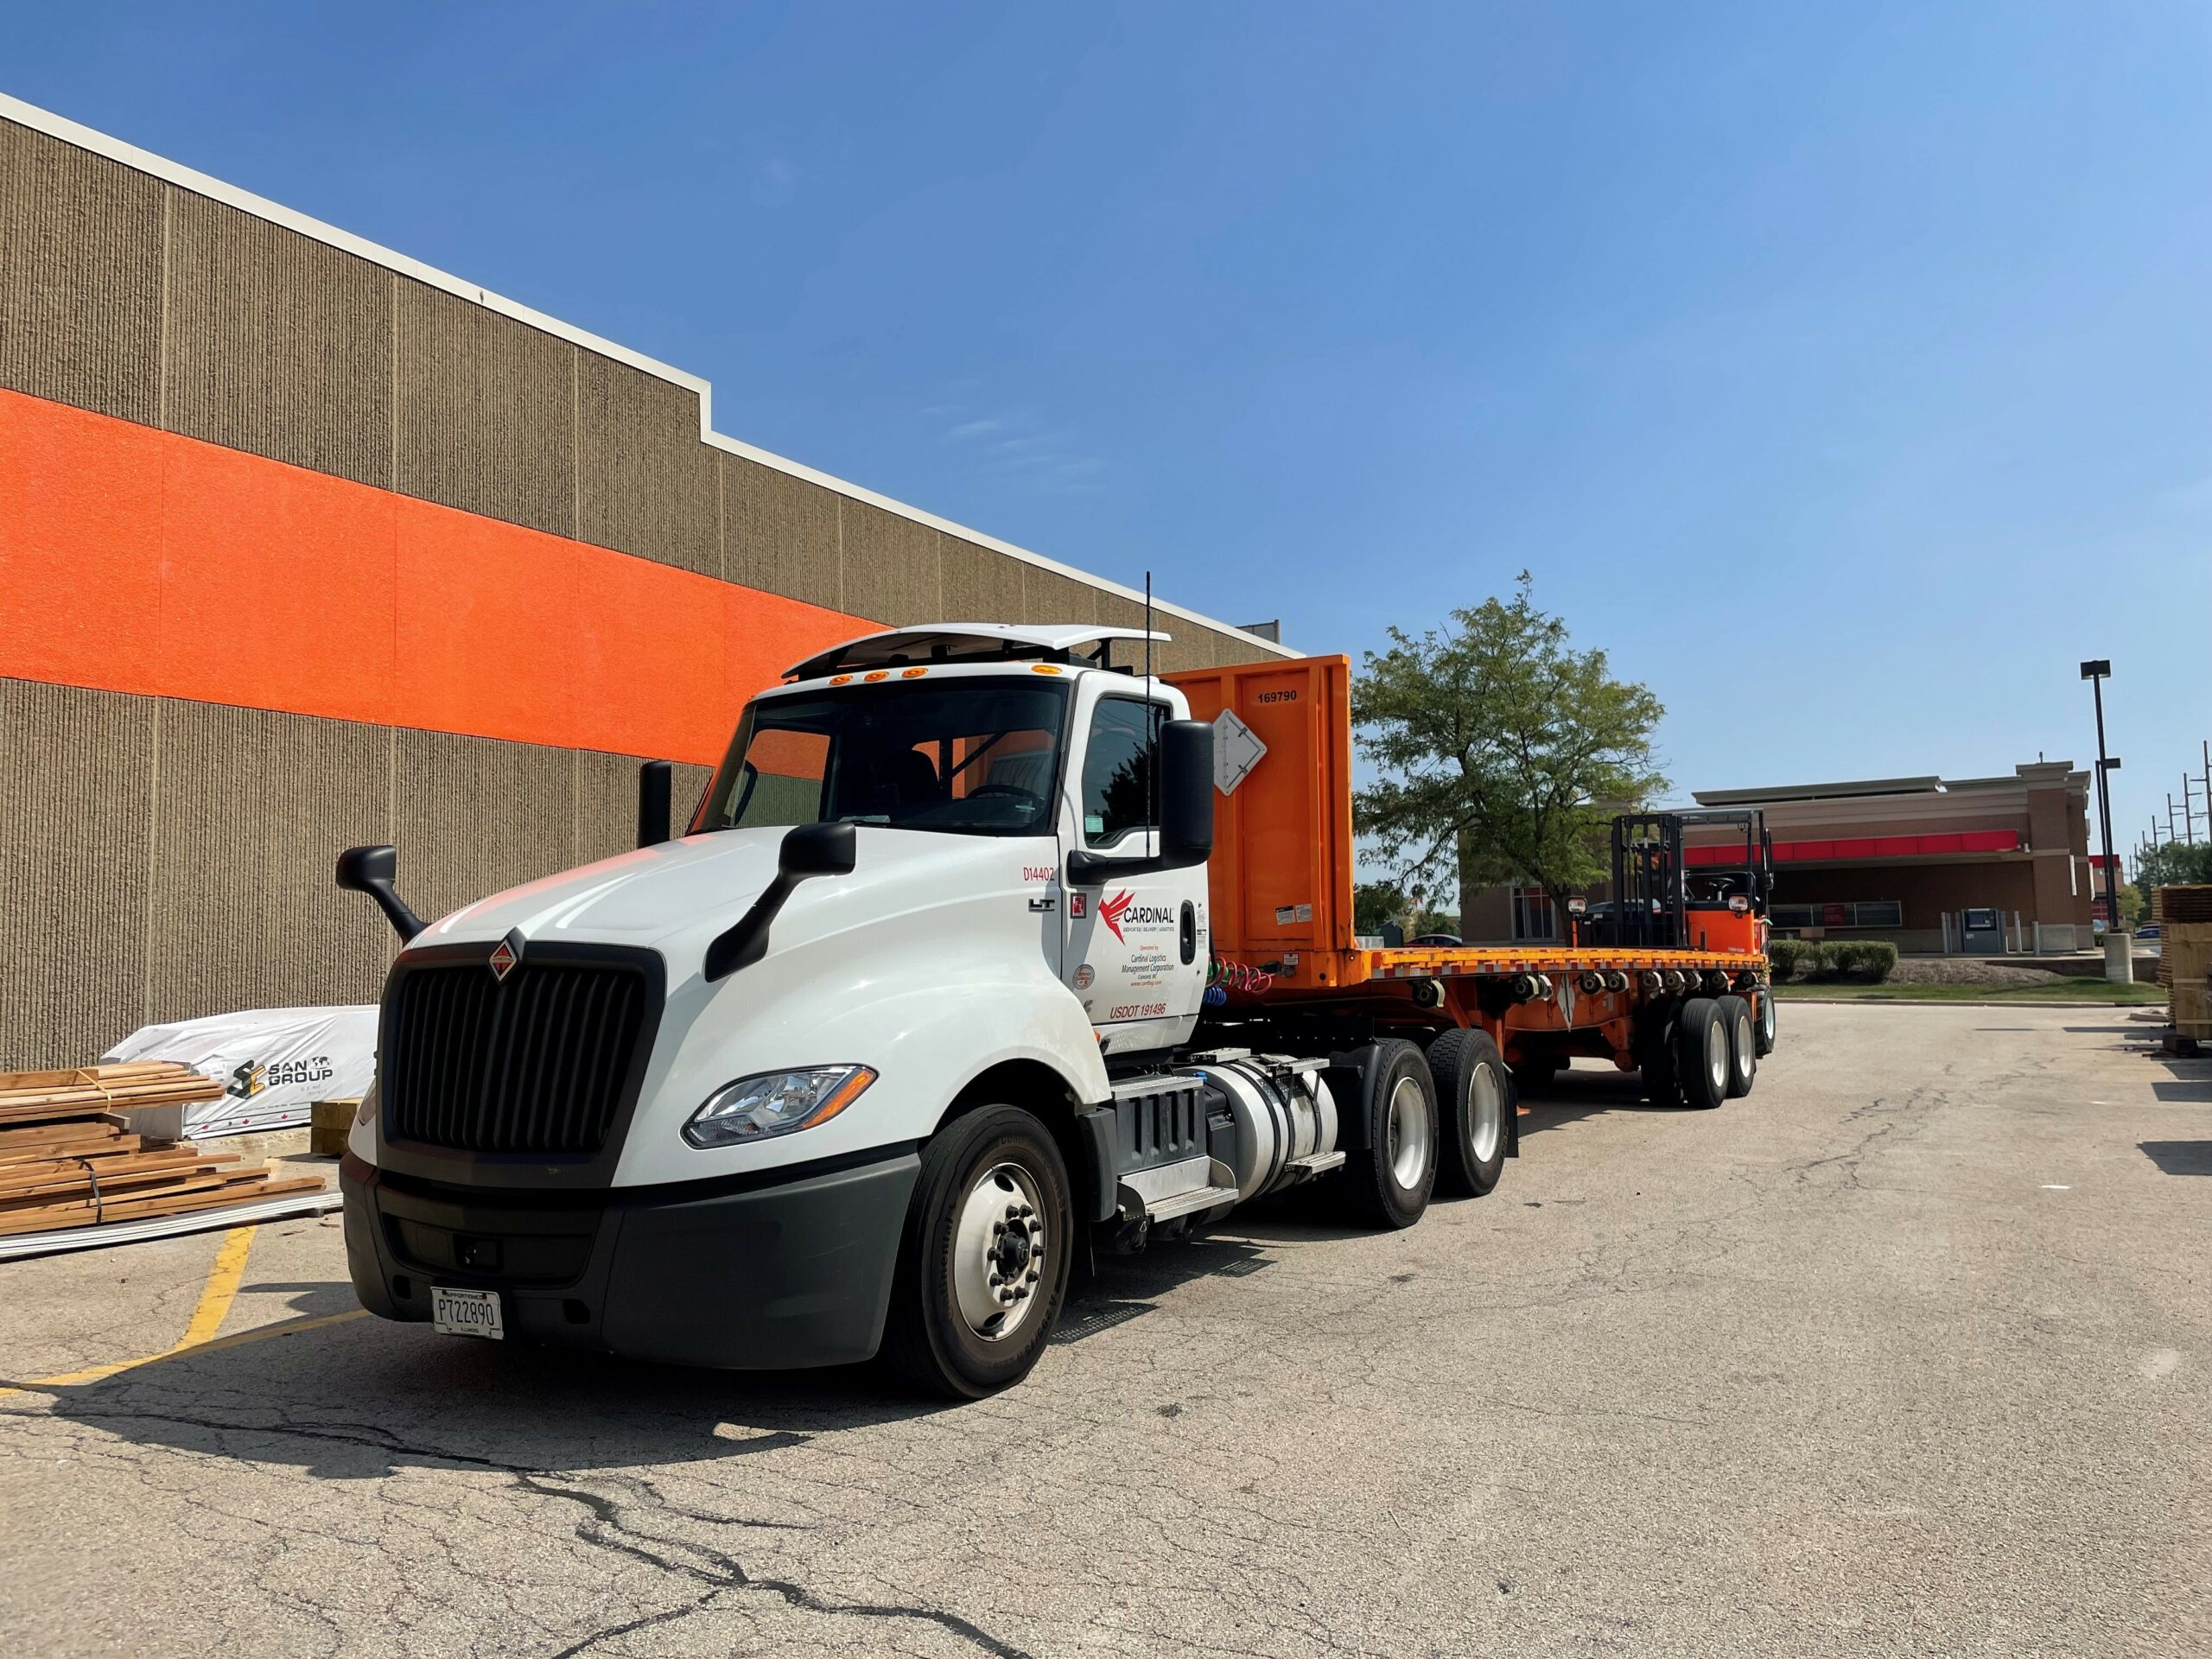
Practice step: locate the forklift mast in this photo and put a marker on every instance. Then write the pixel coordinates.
(1652, 885)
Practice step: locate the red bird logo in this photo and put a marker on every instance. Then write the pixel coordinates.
(1110, 913)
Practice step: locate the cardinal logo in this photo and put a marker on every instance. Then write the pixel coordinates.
(1111, 910)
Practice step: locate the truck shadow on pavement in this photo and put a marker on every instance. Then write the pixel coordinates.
(360, 1398)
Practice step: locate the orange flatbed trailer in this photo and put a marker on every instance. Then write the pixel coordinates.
(1281, 905)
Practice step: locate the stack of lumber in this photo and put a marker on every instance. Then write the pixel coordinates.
(70, 1158)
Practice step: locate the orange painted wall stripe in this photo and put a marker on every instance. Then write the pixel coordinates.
(133, 560)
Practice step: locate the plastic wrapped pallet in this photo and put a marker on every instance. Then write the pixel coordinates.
(273, 1064)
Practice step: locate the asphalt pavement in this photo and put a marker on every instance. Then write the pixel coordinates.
(1910, 1352)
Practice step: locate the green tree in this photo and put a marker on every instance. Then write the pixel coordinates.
(2176, 864)
(1373, 903)
(2134, 906)
(1503, 750)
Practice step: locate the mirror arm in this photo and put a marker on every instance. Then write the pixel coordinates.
(747, 941)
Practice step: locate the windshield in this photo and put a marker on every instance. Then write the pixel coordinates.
(975, 757)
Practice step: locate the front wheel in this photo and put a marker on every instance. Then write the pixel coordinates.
(983, 1263)
(1388, 1181)
(1766, 1021)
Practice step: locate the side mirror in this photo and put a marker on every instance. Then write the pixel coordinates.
(809, 850)
(654, 792)
(1185, 793)
(818, 849)
(372, 870)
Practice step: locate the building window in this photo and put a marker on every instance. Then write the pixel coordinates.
(1864, 912)
(1532, 914)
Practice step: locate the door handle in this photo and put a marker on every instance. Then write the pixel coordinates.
(1190, 932)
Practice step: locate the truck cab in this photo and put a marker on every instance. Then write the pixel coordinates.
(896, 1029)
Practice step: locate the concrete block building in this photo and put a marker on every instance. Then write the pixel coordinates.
(303, 544)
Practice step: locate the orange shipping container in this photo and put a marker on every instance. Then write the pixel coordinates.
(1281, 875)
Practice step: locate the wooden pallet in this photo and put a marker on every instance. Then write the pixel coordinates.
(70, 1159)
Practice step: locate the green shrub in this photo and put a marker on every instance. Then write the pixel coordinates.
(1788, 957)
(1861, 959)
(1877, 959)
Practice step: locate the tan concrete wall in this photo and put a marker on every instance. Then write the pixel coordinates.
(160, 858)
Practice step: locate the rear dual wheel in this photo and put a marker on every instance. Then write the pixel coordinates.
(1476, 1101)
(1389, 1180)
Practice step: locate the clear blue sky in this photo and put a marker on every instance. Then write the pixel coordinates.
(1848, 376)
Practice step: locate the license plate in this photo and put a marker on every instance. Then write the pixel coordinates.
(467, 1312)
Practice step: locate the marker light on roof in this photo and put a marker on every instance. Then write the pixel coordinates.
(840, 679)
(912, 673)
(879, 674)
(1043, 668)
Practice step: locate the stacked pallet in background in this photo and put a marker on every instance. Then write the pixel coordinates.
(70, 1156)
(2184, 918)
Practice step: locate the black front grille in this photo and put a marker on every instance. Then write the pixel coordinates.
(540, 1062)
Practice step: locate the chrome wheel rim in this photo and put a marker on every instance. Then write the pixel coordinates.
(1408, 1133)
(1766, 1018)
(1485, 1114)
(1716, 1053)
(1743, 1042)
(998, 1247)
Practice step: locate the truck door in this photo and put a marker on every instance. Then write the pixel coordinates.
(1136, 947)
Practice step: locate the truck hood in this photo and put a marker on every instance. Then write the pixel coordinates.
(700, 884)
(634, 898)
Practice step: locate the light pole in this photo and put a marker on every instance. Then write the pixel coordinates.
(2119, 958)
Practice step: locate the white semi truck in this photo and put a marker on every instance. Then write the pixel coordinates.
(925, 1005)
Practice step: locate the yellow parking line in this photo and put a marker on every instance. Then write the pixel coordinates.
(215, 1300)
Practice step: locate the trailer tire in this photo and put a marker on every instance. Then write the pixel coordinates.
(1389, 1180)
(1702, 1058)
(1476, 1101)
(981, 1170)
(1766, 1021)
(1743, 1045)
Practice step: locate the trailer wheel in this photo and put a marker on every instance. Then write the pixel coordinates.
(1388, 1181)
(1701, 1053)
(1475, 1103)
(1766, 1025)
(983, 1264)
(1743, 1045)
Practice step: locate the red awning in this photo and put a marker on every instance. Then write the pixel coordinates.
(1814, 852)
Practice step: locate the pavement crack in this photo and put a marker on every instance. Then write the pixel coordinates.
(605, 1529)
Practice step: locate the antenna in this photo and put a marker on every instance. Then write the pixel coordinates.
(1151, 725)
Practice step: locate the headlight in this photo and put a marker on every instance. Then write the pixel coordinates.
(365, 1113)
(776, 1103)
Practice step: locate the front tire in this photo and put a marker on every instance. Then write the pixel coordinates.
(1476, 1104)
(983, 1263)
(1388, 1182)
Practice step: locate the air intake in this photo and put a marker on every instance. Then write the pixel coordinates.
(540, 1063)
